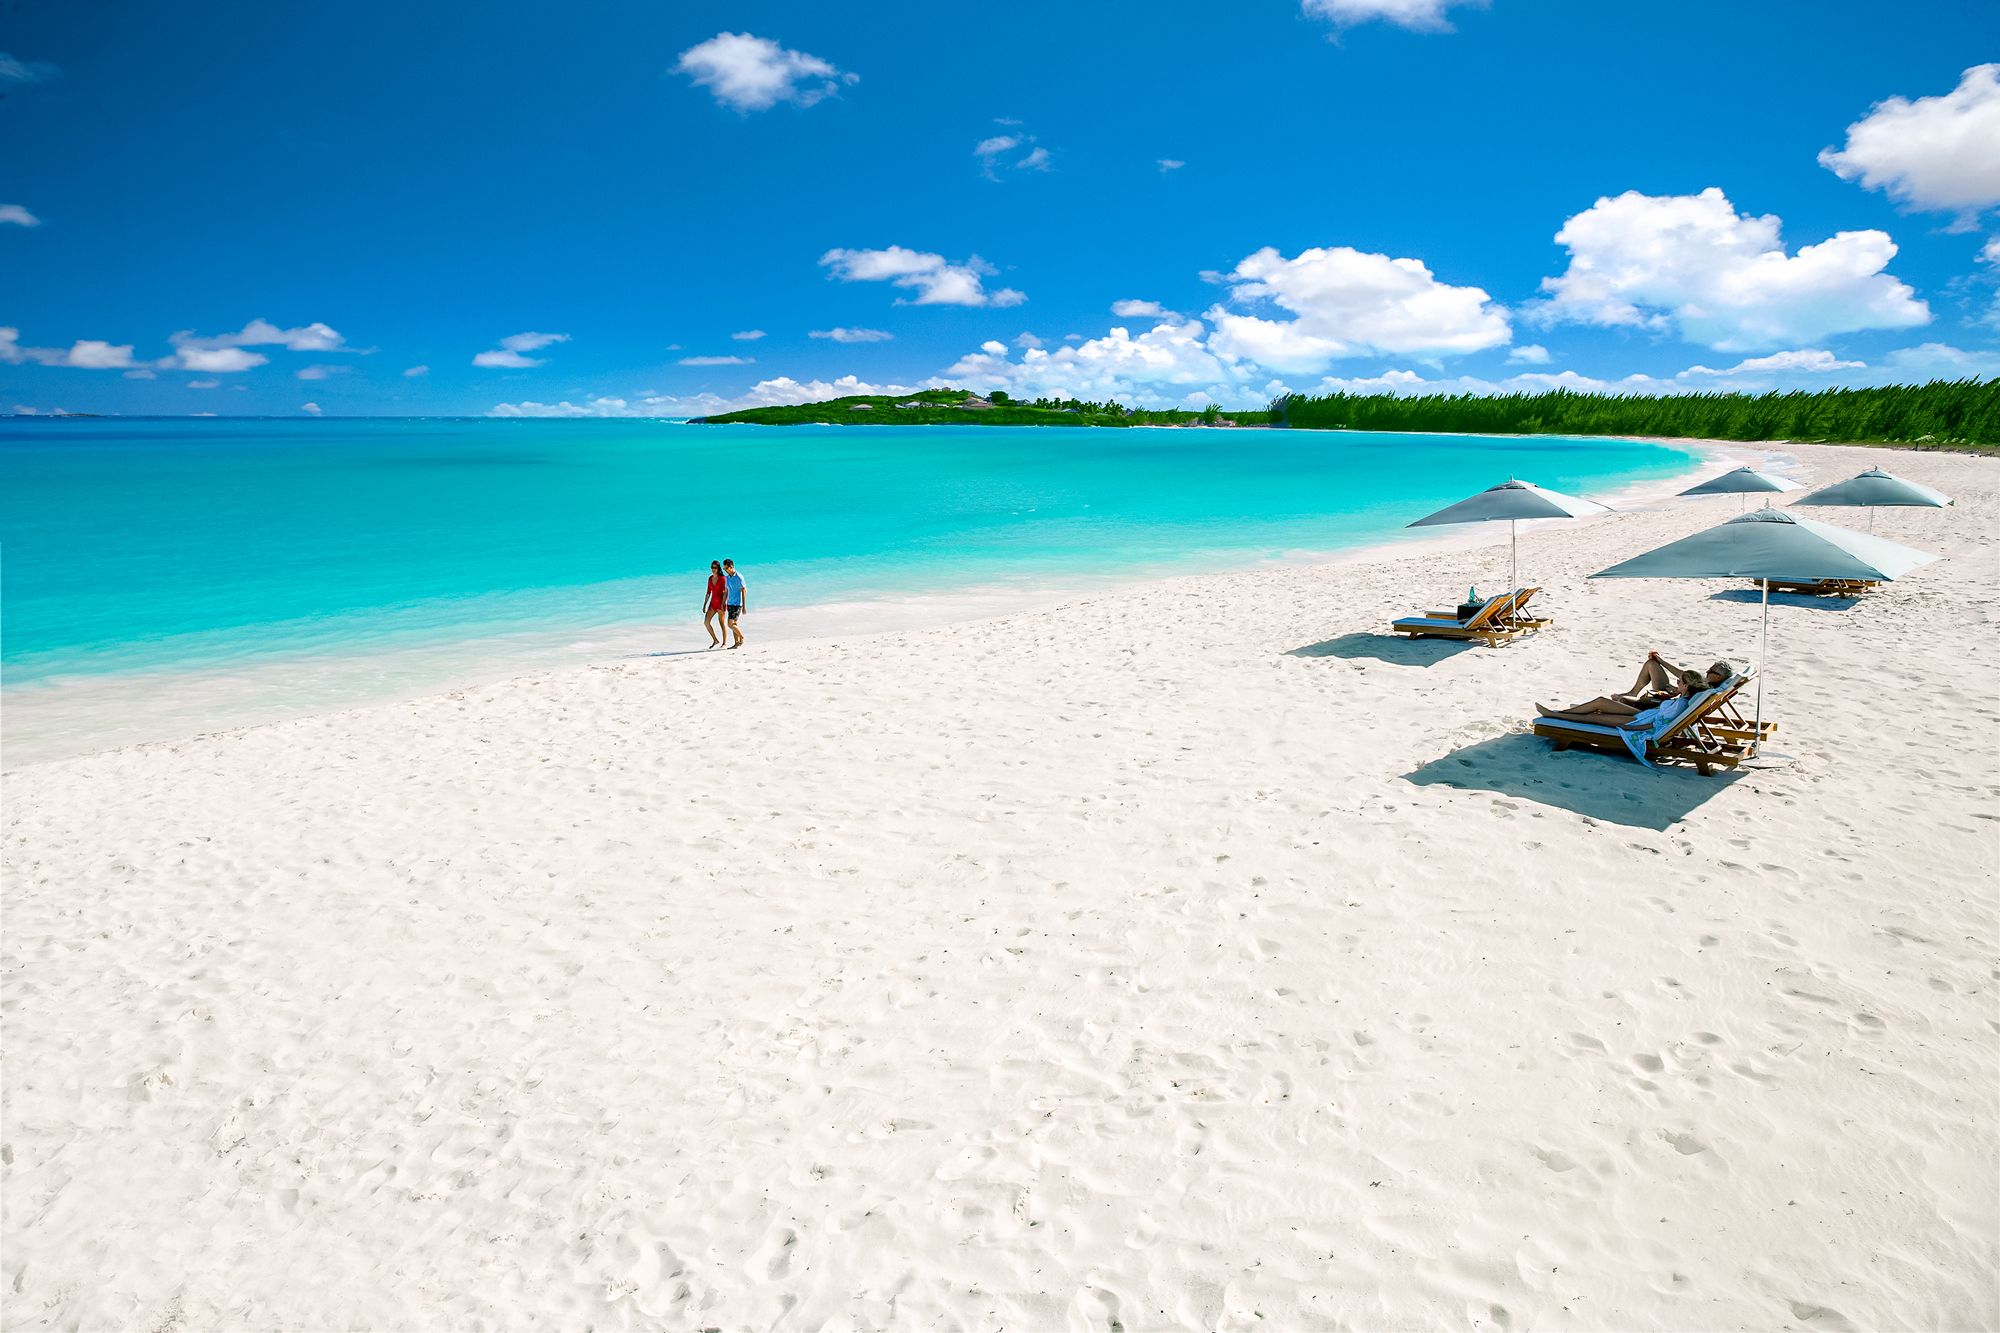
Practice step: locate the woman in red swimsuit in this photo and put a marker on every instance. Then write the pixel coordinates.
(712, 608)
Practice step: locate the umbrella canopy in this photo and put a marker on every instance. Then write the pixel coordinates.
(1513, 501)
(1877, 488)
(1742, 481)
(1773, 544)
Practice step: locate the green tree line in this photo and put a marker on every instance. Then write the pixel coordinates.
(1943, 412)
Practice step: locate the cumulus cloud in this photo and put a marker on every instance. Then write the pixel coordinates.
(1938, 153)
(1002, 153)
(716, 360)
(214, 360)
(512, 354)
(1940, 361)
(748, 335)
(780, 392)
(1157, 367)
(262, 333)
(1529, 354)
(14, 70)
(1167, 164)
(310, 409)
(845, 335)
(15, 215)
(416, 372)
(321, 372)
(204, 384)
(1813, 360)
(1692, 264)
(748, 73)
(1420, 15)
(1346, 302)
(935, 280)
(1141, 310)
(84, 354)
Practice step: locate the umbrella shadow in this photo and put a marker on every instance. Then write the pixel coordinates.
(1392, 648)
(1752, 597)
(1598, 786)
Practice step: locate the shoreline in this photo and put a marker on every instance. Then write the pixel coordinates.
(184, 691)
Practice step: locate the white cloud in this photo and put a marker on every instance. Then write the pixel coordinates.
(1025, 339)
(214, 360)
(1693, 264)
(262, 333)
(749, 73)
(512, 354)
(1421, 15)
(416, 372)
(204, 384)
(1940, 153)
(84, 354)
(748, 335)
(935, 280)
(310, 409)
(1170, 164)
(1158, 367)
(1813, 360)
(1529, 354)
(1990, 252)
(844, 335)
(1141, 310)
(18, 216)
(780, 392)
(1939, 361)
(13, 70)
(992, 150)
(320, 372)
(1346, 303)
(142, 373)
(717, 360)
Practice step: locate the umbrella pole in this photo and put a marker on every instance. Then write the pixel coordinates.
(1763, 659)
(1514, 558)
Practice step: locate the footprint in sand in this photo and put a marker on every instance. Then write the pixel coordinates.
(773, 1259)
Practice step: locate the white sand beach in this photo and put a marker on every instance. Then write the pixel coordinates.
(1194, 956)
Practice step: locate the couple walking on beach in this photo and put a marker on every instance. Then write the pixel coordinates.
(725, 599)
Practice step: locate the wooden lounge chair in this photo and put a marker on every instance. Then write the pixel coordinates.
(1493, 624)
(1825, 587)
(1711, 734)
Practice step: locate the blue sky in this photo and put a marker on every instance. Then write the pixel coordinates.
(247, 208)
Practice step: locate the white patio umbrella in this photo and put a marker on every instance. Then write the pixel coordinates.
(1772, 544)
(1513, 501)
(1743, 481)
(1875, 489)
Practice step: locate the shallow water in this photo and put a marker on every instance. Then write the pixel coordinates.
(165, 576)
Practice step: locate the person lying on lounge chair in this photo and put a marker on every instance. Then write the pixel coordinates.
(1658, 682)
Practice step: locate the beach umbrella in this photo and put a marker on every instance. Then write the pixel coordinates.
(1875, 489)
(1743, 481)
(1773, 544)
(1512, 501)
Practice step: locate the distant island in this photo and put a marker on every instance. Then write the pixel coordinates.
(961, 407)
(1944, 414)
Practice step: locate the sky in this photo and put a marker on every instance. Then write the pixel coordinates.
(609, 209)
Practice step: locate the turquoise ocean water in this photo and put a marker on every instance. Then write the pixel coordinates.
(163, 576)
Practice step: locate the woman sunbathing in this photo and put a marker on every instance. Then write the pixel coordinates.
(1658, 682)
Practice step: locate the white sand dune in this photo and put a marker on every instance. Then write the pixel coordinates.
(1190, 957)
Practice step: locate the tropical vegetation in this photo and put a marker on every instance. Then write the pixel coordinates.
(1946, 414)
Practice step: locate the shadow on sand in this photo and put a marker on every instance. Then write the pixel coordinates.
(1598, 786)
(679, 652)
(1751, 597)
(1392, 648)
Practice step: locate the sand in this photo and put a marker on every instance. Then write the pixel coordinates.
(1195, 956)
